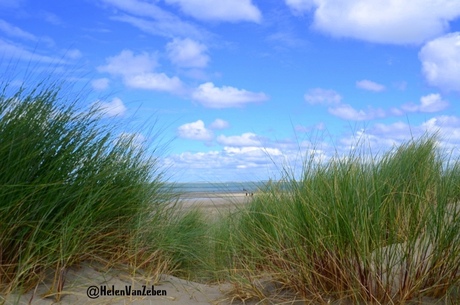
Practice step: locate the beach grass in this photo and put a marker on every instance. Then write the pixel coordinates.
(360, 228)
(73, 189)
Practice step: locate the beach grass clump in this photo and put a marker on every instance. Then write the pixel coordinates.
(380, 229)
(72, 189)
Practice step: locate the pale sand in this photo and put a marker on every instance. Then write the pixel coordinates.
(178, 291)
(78, 280)
(216, 204)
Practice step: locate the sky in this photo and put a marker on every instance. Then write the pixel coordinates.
(238, 90)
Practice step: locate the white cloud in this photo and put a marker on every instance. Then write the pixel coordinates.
(381, 137)
(127, 63)
(370, 85)
(17, 51)
(432, 103)
(113, 108)
(447, 125)
(246, 139)
(347, 112)
(136, 72)
(195, 131)
(428, 103)
(441, 62)
(100, 83)
(223, 10)
(154, 81)
(73, 54)
(187, 53)
(396, 22)
(252, 156)
(239, 163)
(398, 130)
(14, 31)
(154, 20)
(322, 96)
(135, 139)
(225, 97)
(337, 108)
(300, 6)
(219, 124)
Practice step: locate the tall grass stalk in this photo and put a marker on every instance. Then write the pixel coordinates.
(380, 230)
(72, 190)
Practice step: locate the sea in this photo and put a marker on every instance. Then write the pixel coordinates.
(218, 187)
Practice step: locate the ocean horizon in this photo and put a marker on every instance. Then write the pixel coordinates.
(217, 187)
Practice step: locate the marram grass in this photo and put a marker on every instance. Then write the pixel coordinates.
(73, 190)
(379, 230)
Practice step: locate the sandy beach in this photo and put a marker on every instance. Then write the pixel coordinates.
(90, 278)
(93, 284)
(215, 204)
(87, 284)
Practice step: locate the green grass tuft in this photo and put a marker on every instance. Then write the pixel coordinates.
(382, 229)
(72, 190)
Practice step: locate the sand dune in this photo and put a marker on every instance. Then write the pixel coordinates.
(90, 279)
(168, 289)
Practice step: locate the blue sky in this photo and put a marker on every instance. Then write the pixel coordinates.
(244, 87)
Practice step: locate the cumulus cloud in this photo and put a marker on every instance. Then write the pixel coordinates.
(370, 85)
(339, 109)
(322, 96)
(113, 108)
(223, 10)
(239, 163)
(441, 62)
(100, 83)
(225, 97)
(137, 72)
(397, 130)
(382, 137)
(428, 103)
(195, 131)
(127, 63)
(219, 124)
(347, 112)
(187, 53)
(395, 22)
(154, 81)
(447, 125)
(242, 162)
(246, 139)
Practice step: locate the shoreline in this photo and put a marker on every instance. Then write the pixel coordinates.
(214, 204)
